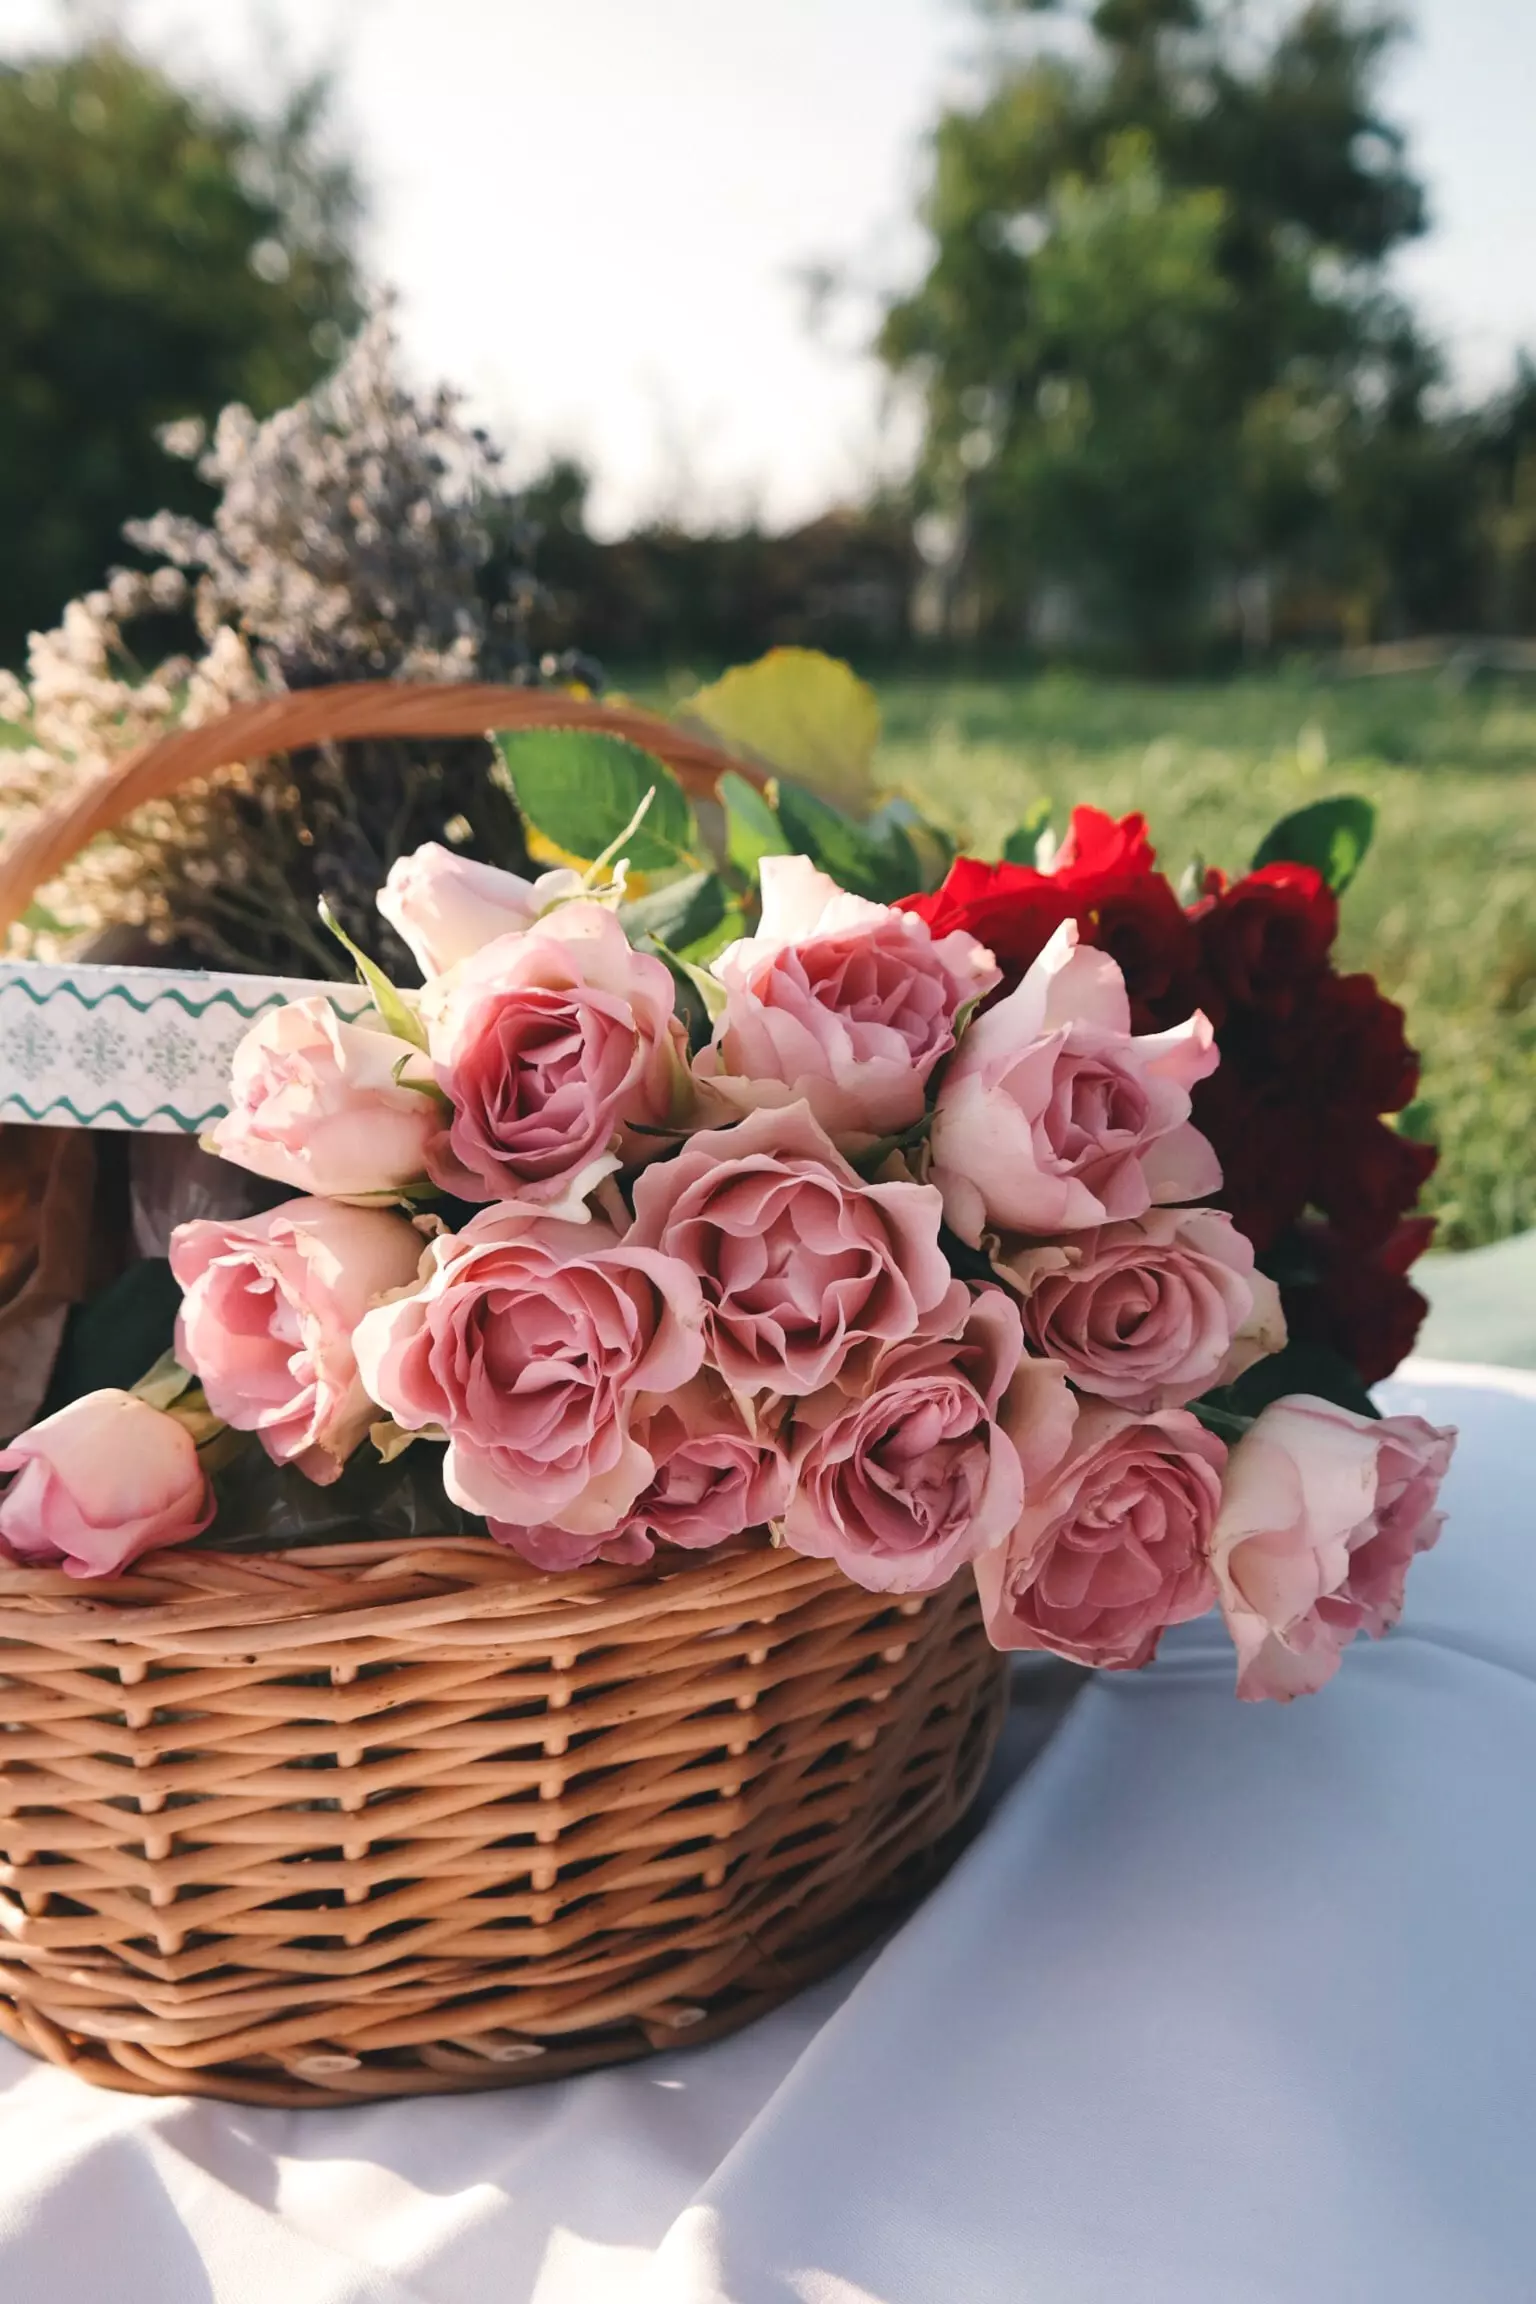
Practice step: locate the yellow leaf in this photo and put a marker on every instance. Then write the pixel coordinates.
(806, 714)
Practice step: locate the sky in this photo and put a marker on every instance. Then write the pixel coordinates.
(599, 214)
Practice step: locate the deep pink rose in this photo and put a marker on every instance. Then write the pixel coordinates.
(1051, 1117)
(904, 1485)
(528, 1345)
(104, 1480)
(444, 906)
(713, 1477)
(555, 1046)
(1152, 1312)
(843, 1004)
(270, 1303)
(1114, 1546)
(1322, 1515)
(315, 1102)
(806, 1270)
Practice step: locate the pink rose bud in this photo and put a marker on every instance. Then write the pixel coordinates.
(1152, 1312)
(1322, 1514)
(444, 906)
(1114, 1545)
(528, 1344)
(270, 1303)
(712, 1478)
(903, 1486)
(560, 1050)
(805, 1269)
(1051, 1117)
(314, 1102)
(843, 1004)
(99, 1483)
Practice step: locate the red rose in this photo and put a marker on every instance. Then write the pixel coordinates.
(1096, 843)
(1356, 1046)
(1367, 1175)
(1267, 937)
(1105, 881)
(1011, 908)
(1361, 1305)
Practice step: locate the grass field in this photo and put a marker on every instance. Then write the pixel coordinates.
(1444, 912)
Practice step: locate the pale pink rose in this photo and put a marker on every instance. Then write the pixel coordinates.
(1322, 1514)
(806, 1270)
(713, 1478)
(903, 1486)
(315, 1102)
(558, 1049)
(269, 1306)
(100, 1482)
(1114, 1545)
(843, 1004)
(444, 906)
(528, 1345)
(1152, 1312)
(1051, 1117)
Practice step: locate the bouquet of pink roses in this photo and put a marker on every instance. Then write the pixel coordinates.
(771, 1198)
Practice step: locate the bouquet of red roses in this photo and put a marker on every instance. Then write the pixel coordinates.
(1040, 1226)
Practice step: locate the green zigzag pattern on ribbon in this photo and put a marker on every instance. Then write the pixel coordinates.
(129, 1119)
(168, 992)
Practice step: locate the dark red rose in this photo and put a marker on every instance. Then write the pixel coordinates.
(1358, 1046)
(1141, 924)
(1265, 939)
(1266, 1142)
(1362, 1305)
(1367, 1176)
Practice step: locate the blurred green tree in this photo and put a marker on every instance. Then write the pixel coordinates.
(162, 252)
(1152, 339)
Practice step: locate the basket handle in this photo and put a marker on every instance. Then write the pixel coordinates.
(33, 854)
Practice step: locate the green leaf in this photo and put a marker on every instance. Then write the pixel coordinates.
(893, 829)
(581, 789)
(1310, 1368)
(165, 1382)
(1019, 847)
(856, 858)
(681, 914)
(752, 830)
(807, 714)
(1332, 836)
(398, 1014)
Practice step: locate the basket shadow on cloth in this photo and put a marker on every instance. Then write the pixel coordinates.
(407, 1817)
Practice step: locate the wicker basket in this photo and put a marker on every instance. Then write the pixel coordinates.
(394, 1818)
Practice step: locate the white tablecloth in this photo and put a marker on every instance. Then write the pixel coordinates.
(1226, 2005)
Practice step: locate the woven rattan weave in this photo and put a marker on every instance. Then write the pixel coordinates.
(369, 1821)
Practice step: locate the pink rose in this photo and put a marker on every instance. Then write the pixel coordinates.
(843, 1004)
(270, 1303)
(712, 1478)
(903, 1486)
(98, 1483)
(555, 1046)
(314, 1102)
(1322, 1515)
(444, 906)
(805, 1269)
(1114, 1546)
(528, 1345)
(1152, 1312)
(1051, 1117)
